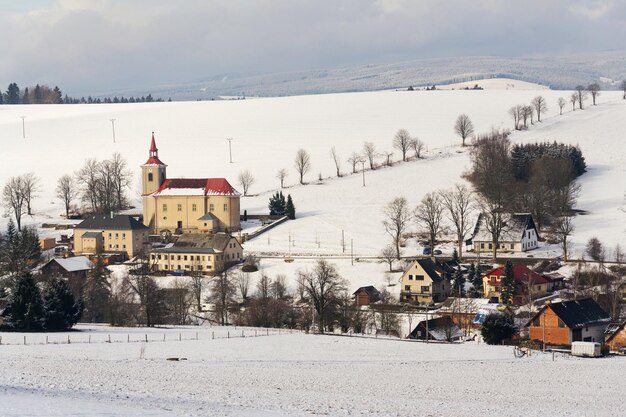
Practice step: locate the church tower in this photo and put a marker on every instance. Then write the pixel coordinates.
(152, 177)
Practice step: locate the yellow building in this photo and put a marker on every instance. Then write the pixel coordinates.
(199, 253)
(186, 205)
(110, 234)
(424, 282)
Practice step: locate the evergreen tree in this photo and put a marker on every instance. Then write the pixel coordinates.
(497, 328)
(290, 209)
(26, 97)
(13, 94)
(25, 309)
(459, 282)
(455, 256)
(19, 250)
(476, 278)
(97, 293)
(57, 97)
(277, 204)
(508, 284)
(61, 309)
(38, 95)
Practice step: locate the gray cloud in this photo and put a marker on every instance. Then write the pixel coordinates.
(100, 45)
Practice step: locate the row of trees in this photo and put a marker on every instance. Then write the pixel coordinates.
(43, 94)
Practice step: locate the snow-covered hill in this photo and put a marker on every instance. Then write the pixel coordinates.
(267, 132)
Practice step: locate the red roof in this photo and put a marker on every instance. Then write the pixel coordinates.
(521, 273)
(154, 154)
(153, 147)
(210, 186)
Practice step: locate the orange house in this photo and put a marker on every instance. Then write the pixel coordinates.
(569, 321)
(616, 336)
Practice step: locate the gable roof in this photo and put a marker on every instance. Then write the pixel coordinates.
(516, 225)
(521, 273)
(73, 264)
(196, 186)
(91, 235)
(107, 222)
(208, 216)
(430, 268)
(439, 329)
(577, 313)
(217, 241)
(370, 290)
(614, 329)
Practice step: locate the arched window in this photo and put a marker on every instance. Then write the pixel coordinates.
(150, 176)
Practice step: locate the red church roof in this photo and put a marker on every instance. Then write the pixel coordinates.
(196, 186)
(521, 273)
(154, 154)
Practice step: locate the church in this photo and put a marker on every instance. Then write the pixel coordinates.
(186, 205)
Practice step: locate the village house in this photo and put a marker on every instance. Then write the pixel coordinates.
(103, 233)
(528, 284)
(365, 296)
(186, 205)
(441, 329)
(76, 267)
(198, 253)
(519, 234)
(615, 337)
(462, 310)
(424, 282)
(569, 321)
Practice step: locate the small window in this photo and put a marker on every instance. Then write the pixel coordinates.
(123, 235)
(153, 256)
(150, 177)
(425, 288)
(419, 277)
(561, 324)
(110, 235)
(490, 246)
(117, 236)
(482, 246)
(512, 246)
(199, 267)
(193, 207)
(185, 257)
(225, 207)
(179, 207)
(178, 259)
(123, 246)
(410, 277)
(537, 322)
(165, 267)
(164, 208)
(166, 257)
(407, 288)
(211, 207)
(205, 224)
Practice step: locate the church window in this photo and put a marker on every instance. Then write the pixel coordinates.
(150, 177)
(225, 207)
(179, 207)
(164, 207)
(211, 207)
(193, 207)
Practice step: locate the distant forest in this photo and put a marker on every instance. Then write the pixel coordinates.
(43, 94)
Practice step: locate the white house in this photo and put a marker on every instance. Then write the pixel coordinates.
(518, 235)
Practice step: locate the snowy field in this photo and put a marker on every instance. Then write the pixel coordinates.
(302, 375)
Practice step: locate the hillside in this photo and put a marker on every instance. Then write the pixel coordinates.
(267, 132)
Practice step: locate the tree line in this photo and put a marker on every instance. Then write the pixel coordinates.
(43, 94)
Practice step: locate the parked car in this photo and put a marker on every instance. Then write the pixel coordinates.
(426, 251)
(437, 252)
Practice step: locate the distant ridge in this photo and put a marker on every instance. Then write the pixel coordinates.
(558, 72)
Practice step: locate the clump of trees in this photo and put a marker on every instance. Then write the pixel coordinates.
(280, 206)
(497, 328)
(18, 194)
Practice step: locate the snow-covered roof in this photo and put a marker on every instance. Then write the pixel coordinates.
(196, 187)
(74, 264)
(513, 231)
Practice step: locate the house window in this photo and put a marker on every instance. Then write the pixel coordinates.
(512, 246)
(410, 277)
(211, 207)
(178, 259)
(123, 246)
(185, 257)
(199, 267)
(152, 256)
(209, 267)
(165, 267)
(537, 321)
(150, 177)
(193, 207)
(490, 246)
(110, 235)
(561, 324)
(179, 207)
(164, 207)
(407, 288)
(166, 257)
(205, 224)
(419, 277)
(425, 288)
(225, 207)
(117, 236)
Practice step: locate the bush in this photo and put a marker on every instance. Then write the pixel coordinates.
(497, 328)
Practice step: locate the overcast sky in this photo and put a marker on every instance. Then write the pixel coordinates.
(97, 45)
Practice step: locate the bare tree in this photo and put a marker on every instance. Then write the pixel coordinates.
(121, 177)
(573, 98)
(323, 287)
(179, 300)
(516, 113)
(594, 90)
(14, 198)
(429, 215)
(561, 103)
(222, 292)
(418, 147)
(491, 155)
(30, 183)
(336, 160)
(458, 202)
(196, 284)
(278, 287)
(369, 151)
(463, 127)
(494, 220)
(563, 229)
(388, 159)
(243, 284)
(302, 163)
(581, 92)
(388, 255)
(527, 113)
(281, 175)
(88, 179)
(354, 159)
(540, 105)
(66, 191)
(402, 142)
(245, 179)
(397, 218)
(149, 294)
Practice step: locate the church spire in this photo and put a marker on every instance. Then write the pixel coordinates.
(153, 154)
(154, 151)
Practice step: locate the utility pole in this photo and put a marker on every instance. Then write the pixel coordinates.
(113, 127)
(363, 171)
(230, 149)
(352, 251)
(23, 127)
(343, 242)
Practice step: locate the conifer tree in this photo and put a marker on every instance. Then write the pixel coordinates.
(290, 209)
(61, 309)
(455, 256)
(508, 284)
(277, 204)
(25, 308)
(97, 292)
(476, 278)
(459, 282)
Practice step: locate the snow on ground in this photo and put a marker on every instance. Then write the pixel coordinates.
(303, 375)
(267, 132)
(496, 84)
